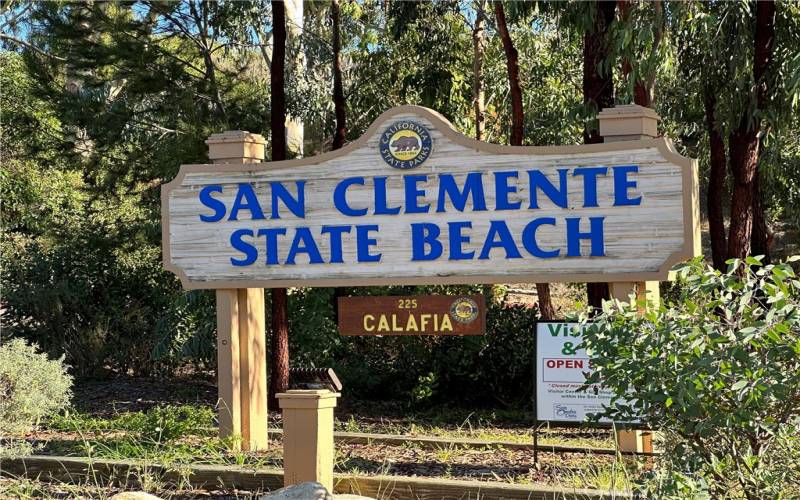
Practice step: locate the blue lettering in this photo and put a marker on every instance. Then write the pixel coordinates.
(413, 193)
(336, 241)
(529, 238)
(472, 187)
(622, 184)
(246, 200)
(340, 197)
(271, 244)
(249, 251)
(595, 234)
(506, 241)
(381, 207)
(304, 243)
(457, 239)
(502, 190)
(589, 183)
(214, 204)
(364, 242)
(539, 181)
(425, 234)
(296, 206)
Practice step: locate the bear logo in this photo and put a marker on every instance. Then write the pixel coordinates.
(405, 144)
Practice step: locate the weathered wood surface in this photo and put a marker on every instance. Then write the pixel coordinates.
(412, 315)
(641, 242)
(77, 470)
(438, 443)
(401, 488)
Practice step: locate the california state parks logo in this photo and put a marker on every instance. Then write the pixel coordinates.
(464, 310)
(405, 144)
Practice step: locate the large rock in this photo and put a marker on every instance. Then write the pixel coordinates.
(134, 495)
(308, 491)
(302, 491)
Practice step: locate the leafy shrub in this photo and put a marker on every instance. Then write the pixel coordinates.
(92, 292)
(31, 387)
(487, 369)
(718, 371)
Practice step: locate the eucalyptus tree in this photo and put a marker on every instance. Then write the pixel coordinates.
(340, 110)
(748, 96)
(279, 340)
(594, 19)
(546, 308)
(478, 50)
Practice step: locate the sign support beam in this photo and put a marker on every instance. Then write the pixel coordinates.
(630, 123)
(241, 338)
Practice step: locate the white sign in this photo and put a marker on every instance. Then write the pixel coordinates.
(415, 202)
(561, 370)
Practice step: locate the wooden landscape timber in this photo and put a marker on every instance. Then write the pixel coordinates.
(77, 469)
(438, 443)
(472, 212)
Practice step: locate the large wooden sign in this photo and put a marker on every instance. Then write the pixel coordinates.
(415, 202)
(413, 315)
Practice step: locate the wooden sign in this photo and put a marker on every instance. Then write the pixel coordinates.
(413, 315)
(415, 202)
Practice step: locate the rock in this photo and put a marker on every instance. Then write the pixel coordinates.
(308, 491)
(134, 495)
(302, 491)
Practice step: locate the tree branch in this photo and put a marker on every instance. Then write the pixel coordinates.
(30, 46)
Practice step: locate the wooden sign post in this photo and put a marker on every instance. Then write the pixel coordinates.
(241, 338)
(627, 123)
(415, 202)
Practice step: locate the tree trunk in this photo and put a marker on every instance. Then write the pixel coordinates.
(716, 183)
(338, 91)
(598, 86)
(546, 309)
(761, 241)
(743, 146)
(744, 141)
(478, 94)
(598, 93)
(279, 365)
(341, 116)
(512, 65)
(644, 88)
(295, 129)
(279, 369)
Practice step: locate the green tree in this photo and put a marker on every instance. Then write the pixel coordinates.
(717, 369)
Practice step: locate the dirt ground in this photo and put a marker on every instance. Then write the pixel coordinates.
(109, 399)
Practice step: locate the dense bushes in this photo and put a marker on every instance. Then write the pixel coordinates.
(717, 369)
(31, 387)
(496, 368)
(87, 295)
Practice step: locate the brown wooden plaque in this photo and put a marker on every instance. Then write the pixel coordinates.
(413, 315)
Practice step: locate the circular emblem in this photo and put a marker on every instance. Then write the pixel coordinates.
(405, 144)
(464, 310)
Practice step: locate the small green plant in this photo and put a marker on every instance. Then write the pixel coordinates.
(31, 387)
(426, 388)
(717, 369)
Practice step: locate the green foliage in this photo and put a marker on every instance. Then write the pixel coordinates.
(489, 369)
(114, 96)
(162, 423)
(87, 295)
(186, 333)
(718, 370)
(32, 386)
